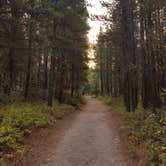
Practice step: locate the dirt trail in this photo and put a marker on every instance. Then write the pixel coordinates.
(89, 140)
(86, 138)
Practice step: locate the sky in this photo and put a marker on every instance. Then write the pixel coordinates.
(96, 9)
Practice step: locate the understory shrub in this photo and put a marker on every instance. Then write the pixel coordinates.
(145, 127)
(75, 101)
(15, 97)
(4, 99)
(114, 103)
(59, 111)
(18, 120)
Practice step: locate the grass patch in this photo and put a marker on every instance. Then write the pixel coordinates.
(143, 128)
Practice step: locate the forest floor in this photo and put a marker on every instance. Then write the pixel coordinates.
(85, 138)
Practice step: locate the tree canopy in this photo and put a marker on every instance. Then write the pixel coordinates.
(131, 52)
(43, 47)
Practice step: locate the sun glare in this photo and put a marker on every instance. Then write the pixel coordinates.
(95, 8)
(91, 56)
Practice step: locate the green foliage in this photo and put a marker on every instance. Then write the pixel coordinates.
(15, 97)
(27, 115)
(9, 138)
(92, 85)
(17, 120)
(4, 99)
(61, 110)
(106, 99)
(143, 128)
(150, 129)
(115, 104)
(40, 29)
(75, 101)
(163, 96)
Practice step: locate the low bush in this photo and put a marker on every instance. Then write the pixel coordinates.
(4, 99)
(18, 119)
(143, 127)
(59, 111)
(149, 129)
(106, 99)
(15, 97)
(115, 104)
(75, 101)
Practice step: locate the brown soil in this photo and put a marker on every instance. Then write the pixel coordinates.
(85, 138)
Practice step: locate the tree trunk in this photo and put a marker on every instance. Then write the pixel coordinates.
(52, 68)
(45, 86)
(51, 81)
(28, 72)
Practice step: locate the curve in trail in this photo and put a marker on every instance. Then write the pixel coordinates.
(90, 141)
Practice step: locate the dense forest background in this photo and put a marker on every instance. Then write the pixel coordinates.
(43, 49)
(131, 52)
(44, 69)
